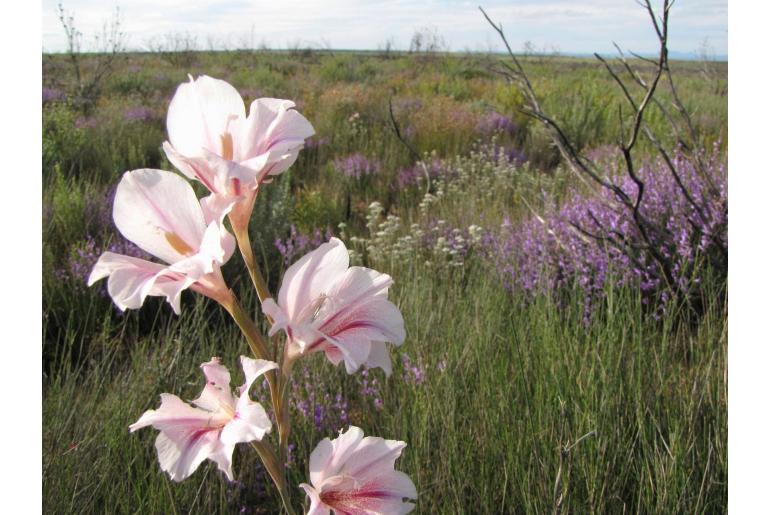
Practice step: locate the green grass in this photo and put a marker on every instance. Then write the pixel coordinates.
(524, 378)
(484, 435)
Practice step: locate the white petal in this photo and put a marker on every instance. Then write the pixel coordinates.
(373, 457)
(250, 423)
(320, 459)
(200, 113)
(310, 277)
(159, 212)
(132, 279)
(216, 394)
(379, 356)
(181, 452)
(252, 369)
(344, 446)
(317, 507)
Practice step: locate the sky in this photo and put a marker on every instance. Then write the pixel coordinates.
(562, 25)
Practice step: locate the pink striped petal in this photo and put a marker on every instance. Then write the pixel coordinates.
(189, 435)
(353, 474)
(312, 276)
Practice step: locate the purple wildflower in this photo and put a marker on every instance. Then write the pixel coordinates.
(496, 123)
(312, 143)
(85, 122)
(356, 166)
(573, 245)
(298, 244)
(139, 114)
(52, 95)
(413, 373)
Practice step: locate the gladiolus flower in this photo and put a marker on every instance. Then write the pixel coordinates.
(158, 211)
(325, 306)
(212, 140)
(353, 474)
(188, 434)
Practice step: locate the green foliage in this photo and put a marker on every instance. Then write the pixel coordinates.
(507, 382)
(62, 140)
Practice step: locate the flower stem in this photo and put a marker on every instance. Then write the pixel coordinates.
(246, 324)
(258, 346)
(280, 400)
(278, 383)
(275, 470)
(244, 244)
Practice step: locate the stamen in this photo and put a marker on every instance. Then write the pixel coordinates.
(178, 244)
(227, 146)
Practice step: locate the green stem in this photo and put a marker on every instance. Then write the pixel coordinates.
(275, 470)
(244, 244)
(246, 324)
(278, 384)
(280, 400)
(258, 346)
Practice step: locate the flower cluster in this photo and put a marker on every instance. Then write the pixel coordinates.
(496, 123)
(328, 412)
(590, 239)
(356, 166)
(323, 304)
(139, 114)
(298, 243)
(52, 95)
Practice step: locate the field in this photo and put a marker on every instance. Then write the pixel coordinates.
(542, 371)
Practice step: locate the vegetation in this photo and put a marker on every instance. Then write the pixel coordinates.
(510, 400)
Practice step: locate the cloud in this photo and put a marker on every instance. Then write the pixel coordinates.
(571, 26)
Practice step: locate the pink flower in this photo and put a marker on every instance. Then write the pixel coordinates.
(212, 140)
(188, 435)
(325, 306)
(159, 212)
(354, 475)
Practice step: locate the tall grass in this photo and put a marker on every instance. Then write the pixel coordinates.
(492, 391)
(506, 387)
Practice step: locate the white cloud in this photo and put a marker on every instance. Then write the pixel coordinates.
(570, 26)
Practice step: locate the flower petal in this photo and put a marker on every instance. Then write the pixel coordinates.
(223, 457)
(181, 451)
(353, 346)
(159, 212)
(200, 114)
(173, 412)
(310, 277)
(185, 438)
(344, 446)
(274, 128)
(353, 474)
(252, 369)
(197, 168)
(132, 279)
(374, 318)
(250, 422)
(373, 457)
(320, 459)
(380, 357)
(317, 507)
(385, 494)
(216, 394)
(274, 311)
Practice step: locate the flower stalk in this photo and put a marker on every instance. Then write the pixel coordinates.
(244, 245)
(276, 472)
(278, 383)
